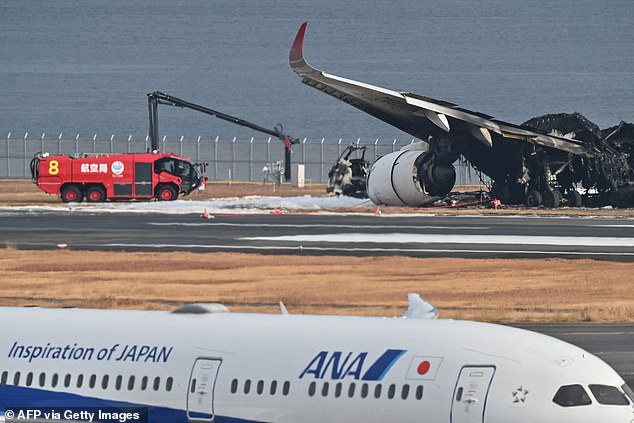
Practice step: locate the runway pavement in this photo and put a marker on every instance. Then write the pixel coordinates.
(356, 234)
(612, 342)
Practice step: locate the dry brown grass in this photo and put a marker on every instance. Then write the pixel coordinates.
(489, 290)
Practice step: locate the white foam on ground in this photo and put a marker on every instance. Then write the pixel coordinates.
(245, 205)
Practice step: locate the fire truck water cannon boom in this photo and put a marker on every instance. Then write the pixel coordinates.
(157, 97)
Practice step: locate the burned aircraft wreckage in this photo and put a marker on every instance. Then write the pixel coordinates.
(551, 160)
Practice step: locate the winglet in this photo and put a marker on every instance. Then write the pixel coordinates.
(418, 308)
(297, 50)
(296, 57)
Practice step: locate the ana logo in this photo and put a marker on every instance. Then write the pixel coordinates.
(117, 167)
(339, 365)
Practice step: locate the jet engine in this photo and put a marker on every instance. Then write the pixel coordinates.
(409, 177)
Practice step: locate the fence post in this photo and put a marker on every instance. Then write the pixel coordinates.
(146, 147)
(268, 150)
(233, 159)
(129, 142)
(77, 145)
(251, 159)
(180, 145)
(394, 145)
(26, 136)
(94, 144)
(376, 149)
(164, 140)
(216, 158)
(111, 143)
(339, 148)
(42, 142)
(59, 143)
(321, 160)
(198, 149)
(8, 151)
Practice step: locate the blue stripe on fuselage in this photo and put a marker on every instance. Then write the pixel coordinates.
(18, 396)
(382, 365)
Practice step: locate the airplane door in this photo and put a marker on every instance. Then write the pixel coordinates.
(470, 394)
(200, 393)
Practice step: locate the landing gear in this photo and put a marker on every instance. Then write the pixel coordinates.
(551, 199)
(533, 198)
(574, 199)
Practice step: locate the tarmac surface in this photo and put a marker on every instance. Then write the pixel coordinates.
(481, 236)
(612, 342)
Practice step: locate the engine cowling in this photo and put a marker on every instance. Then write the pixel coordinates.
(409, 178)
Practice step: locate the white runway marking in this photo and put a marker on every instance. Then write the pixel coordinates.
(377, 250)
(405, 238)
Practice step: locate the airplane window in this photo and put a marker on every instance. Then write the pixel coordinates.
(131, 383)
(377, 391)
(193, 387)
(157, 383)
(351, 390)
(312, 388)
(169, 383)
(608, 395)
(118, 383)
(572, 396)
(54, 380)
(80, 380)
(67, 380)
(247, 386)
(286, 388)
(104, 382)
(29, 379)
(419, 392)
(16, 379)
(391, 391)
(459, 394)
(92, 381)
(5, 376)
(42, 379)
(234, 386)
(260, 387)
(338, 389)
(364, 390)
(405, 392)
(324, 389)
(273, 387)
(144, 383)
(628, 391)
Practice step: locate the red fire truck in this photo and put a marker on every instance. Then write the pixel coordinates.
(116, 177)
(135, 176)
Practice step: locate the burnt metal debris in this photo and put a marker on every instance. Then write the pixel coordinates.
(349, 176)
(604, 175)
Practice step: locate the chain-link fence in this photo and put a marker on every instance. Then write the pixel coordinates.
(228, 159)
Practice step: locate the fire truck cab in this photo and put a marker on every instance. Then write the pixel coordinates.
(116, 177)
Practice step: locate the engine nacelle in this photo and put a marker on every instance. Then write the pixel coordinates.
(409, 178)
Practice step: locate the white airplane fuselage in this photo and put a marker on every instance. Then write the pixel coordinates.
(296, 368)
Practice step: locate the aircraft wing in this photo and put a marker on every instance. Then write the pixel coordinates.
(418, 115)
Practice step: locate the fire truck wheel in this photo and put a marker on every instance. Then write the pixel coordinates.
(95, 194)
(71, 193)
(166, 193)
